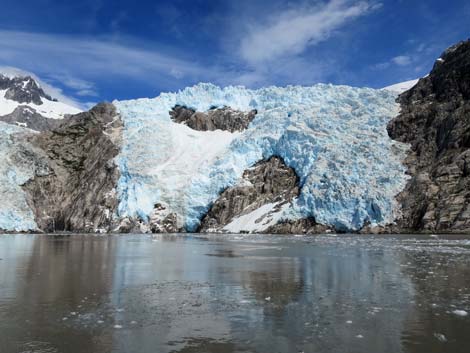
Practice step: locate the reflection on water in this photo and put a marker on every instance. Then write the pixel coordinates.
(130, 293)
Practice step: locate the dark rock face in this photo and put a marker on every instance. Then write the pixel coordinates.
(27, 117)
(160, 221)
(269, 181)
(435, 120)
(298, 226)
(23, 89)
(76, 192)
(215, 119)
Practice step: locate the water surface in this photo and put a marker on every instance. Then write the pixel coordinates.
(167, 293)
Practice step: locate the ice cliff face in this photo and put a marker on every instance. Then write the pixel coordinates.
(334, 137)
(15, 213)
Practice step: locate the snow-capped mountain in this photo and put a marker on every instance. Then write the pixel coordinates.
(24, 102)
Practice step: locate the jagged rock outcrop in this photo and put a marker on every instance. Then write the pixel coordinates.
(267, 182)
(298, 226)
(160, 221)
(23, 89)
(435, 120)
(25, 116)
(77, 190)
(225, 118)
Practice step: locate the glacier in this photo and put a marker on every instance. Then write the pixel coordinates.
(334, 137)
(15, 213)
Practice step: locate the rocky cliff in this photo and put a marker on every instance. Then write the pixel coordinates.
(226, 118)
(77, 190)
(435, 120)
(267, 182)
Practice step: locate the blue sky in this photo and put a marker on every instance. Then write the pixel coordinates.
(105, 49)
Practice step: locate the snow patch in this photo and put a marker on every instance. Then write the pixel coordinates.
(258, 220)
(402, 86)
(49, 109)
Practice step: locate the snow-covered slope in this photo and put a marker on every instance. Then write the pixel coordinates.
(402, 86)
(334, 137)
(27, 91)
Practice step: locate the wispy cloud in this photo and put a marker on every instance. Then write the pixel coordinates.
(291, 32)
(402, 60)
(76, 62)
(80, 86)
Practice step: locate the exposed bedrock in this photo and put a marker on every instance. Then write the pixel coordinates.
(25, 116)
(23, 89)
(268, 182)
(160, 221)
(76, 192)
(225, 118)
(298, 226)
(435, 120)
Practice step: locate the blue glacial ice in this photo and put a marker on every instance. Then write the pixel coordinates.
(334, 137)
(15, 213)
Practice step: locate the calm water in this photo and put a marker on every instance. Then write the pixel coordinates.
(234, 294)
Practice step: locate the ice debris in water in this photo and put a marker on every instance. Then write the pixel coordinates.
(440, 337)
(460, 312)
(334, 137)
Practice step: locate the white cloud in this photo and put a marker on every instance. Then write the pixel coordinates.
(402, 60)
(77, 61)
(290, 32)
(82, 87)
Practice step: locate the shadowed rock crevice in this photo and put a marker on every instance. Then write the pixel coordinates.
(435, 120)
(225, 118)
(77, 192)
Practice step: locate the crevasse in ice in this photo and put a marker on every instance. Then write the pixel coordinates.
(334, 137)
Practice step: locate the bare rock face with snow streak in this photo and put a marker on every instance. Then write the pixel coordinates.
(25, 116)
(77, 192)
(225, 118)
(435, 120)
(267, 182)
(23, 90)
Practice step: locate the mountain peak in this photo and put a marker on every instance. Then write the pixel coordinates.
(23, 89)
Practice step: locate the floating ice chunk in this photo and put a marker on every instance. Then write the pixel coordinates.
(460, 312)
(440, 337)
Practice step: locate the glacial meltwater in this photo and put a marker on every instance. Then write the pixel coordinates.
(234, 293)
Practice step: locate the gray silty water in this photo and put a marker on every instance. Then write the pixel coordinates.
(171, 293)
